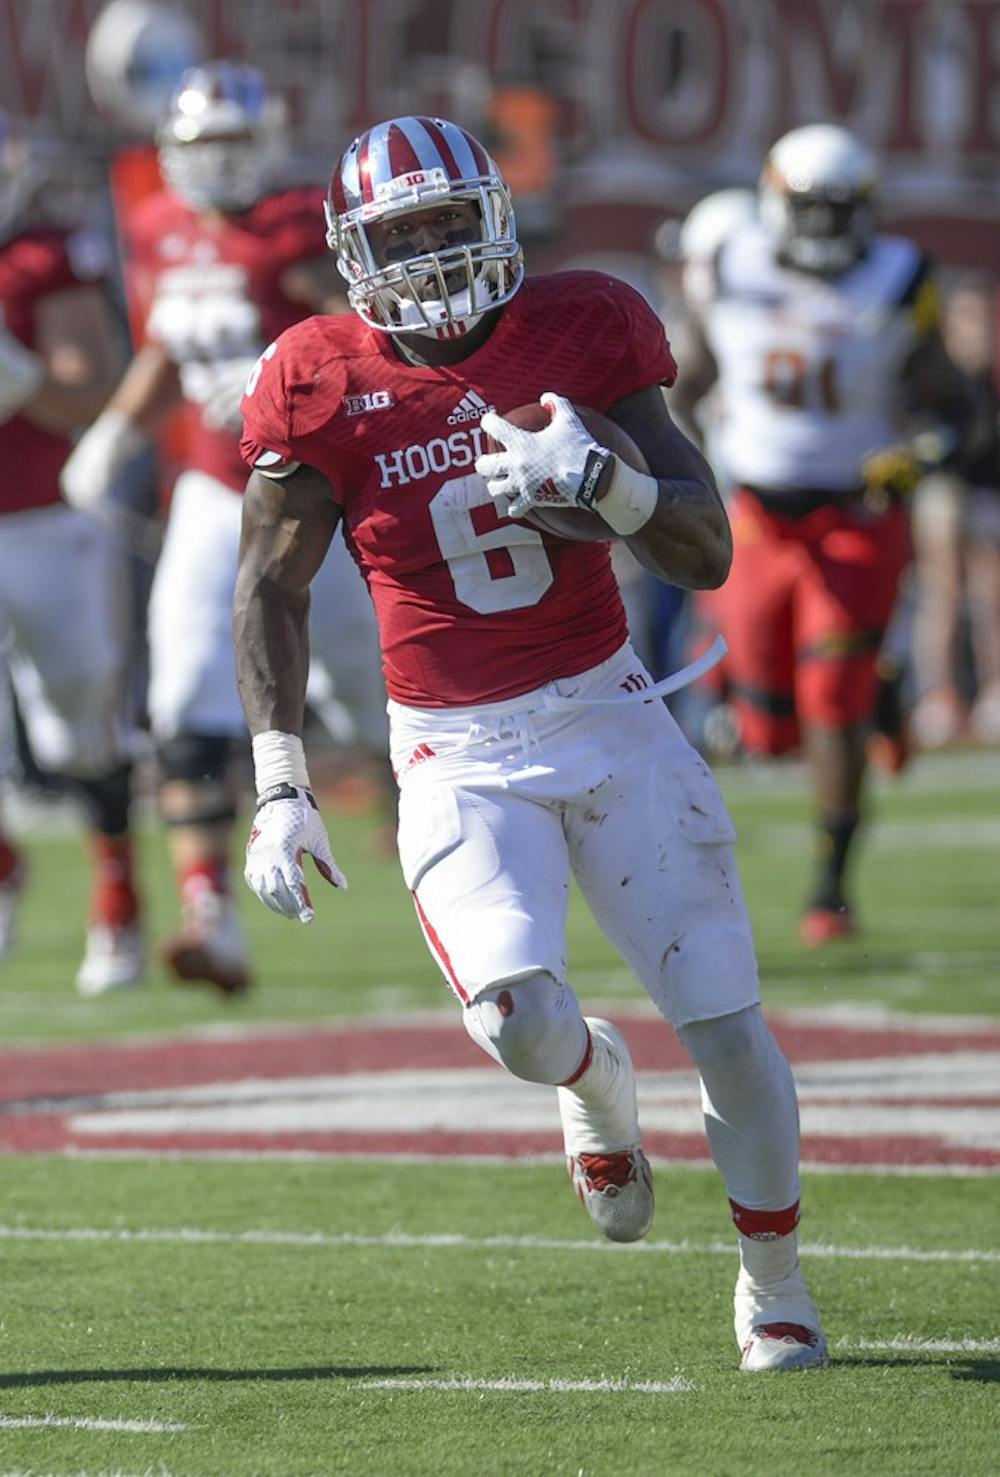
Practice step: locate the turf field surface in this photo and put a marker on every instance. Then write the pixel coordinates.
(196, 1281)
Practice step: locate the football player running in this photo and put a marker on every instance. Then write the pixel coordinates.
(818, 339)
(61, 586)
(523, 732)
(226, 258)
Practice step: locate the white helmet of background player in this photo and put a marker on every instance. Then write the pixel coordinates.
(223, 138)
(409, 164)
(817, 192)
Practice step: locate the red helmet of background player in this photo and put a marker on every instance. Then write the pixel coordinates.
(409, 164)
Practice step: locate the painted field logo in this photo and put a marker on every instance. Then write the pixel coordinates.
(904, 1094)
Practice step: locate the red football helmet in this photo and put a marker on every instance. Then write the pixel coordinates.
(411, 164)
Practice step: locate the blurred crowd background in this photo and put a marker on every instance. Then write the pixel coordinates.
(611, 119)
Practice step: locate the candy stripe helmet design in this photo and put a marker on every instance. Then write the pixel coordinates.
(223, 138)
(817, 194)
(408, 164)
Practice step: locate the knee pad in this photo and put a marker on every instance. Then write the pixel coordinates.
(194, 756)
(201, 761)
(106, 800)
(533, 1027)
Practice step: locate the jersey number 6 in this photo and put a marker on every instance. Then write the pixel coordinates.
(494, 565)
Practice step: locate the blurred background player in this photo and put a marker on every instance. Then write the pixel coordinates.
(956, 539)
(690, 247)
(61, 617)
(821, 340)
(226, 259)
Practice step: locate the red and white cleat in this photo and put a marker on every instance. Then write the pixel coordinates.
(600, 1122)
(616, 1190)
(783, 1346)
(776, 1322)
(210, 948)
(827, 925)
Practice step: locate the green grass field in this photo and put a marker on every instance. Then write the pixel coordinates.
(221, 1318)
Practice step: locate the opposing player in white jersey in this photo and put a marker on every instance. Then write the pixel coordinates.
(225, 259)
(62, 621)
(525, 731)
(818, 339)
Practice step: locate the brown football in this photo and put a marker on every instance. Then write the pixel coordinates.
(578, 524)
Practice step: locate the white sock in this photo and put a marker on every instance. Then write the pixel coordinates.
(750, 1106)
(598, 1111)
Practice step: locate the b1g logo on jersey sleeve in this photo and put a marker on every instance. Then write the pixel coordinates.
(375, 400)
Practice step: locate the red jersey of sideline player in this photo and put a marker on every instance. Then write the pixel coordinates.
(32, 266)
(472, 607)
(214, 284)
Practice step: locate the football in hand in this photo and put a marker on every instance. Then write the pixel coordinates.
(578, 524)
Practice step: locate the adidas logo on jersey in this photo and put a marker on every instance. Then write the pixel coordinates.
(471, 407)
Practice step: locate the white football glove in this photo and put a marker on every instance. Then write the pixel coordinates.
(98, 458)
(220, 406)
(286, 827)
(559, 466)
(22, 374)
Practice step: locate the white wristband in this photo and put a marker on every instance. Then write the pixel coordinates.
(279, 759)
(630, 500)
(22, 374)
(102, 452)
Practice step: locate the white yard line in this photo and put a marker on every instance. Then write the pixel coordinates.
(402, 1240)
(89, 1423)
(511, 1386)
(907, 1343)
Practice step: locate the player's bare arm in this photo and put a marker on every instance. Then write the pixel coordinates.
(150, 391)
(147, 395)
(286, 531)
(933, 385)
(314, 282)
(697, 373)
(287, 527)
(75, 339)
(687, 539)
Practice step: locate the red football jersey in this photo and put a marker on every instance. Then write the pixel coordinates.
(214, 291)
(32, 266)
(472, 607)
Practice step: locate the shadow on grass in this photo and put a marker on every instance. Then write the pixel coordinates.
(977, 1371)
(171, 1372)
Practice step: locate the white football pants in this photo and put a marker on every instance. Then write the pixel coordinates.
(65, 626)
(192, 666)
(499, 804)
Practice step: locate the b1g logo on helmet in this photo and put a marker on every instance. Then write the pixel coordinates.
(402, 184)
(374, 400)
